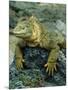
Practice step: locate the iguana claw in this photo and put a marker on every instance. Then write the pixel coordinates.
(50, 68)
(19, 63)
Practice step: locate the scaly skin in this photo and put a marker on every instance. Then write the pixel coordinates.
(33, 34)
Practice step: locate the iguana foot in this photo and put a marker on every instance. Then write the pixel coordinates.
(19, 63)
(51, 66)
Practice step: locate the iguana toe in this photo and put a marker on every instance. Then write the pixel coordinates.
(51, 67)
(19, 63)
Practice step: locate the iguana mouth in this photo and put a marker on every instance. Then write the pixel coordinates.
(20, 34)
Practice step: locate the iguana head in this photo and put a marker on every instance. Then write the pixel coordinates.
(23, 29)
(28, 28)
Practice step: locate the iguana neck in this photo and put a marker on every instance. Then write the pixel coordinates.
(36, 32)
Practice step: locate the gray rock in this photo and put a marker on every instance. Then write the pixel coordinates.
(19, 85)
(61, 26)
(11, 57)
(34, 74)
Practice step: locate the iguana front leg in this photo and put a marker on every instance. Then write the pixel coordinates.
(52, 61)
(18, 58)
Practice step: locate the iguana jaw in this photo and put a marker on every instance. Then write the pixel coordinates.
(20, 34)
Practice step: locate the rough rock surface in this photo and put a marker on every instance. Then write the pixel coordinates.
(34, 74)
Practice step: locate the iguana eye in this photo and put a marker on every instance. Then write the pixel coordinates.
(27, 26)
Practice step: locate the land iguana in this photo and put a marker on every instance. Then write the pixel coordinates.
(31, 33)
